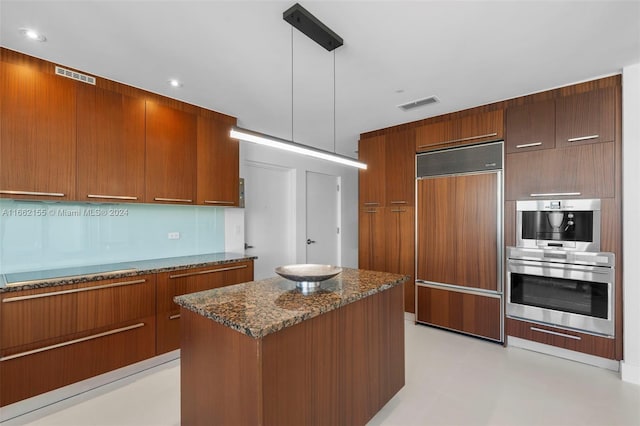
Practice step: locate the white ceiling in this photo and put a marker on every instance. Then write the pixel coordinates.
(236, 56)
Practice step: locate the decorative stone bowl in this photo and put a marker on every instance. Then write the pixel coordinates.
(308, 276)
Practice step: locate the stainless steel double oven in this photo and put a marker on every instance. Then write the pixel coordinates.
(556, 275)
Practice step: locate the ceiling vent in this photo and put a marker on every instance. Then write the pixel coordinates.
(418, 103)
(75, 75)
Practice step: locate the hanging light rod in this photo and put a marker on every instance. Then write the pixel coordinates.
(274, 142)
(309, 25)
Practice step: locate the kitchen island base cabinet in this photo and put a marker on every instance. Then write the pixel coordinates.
(338, 368)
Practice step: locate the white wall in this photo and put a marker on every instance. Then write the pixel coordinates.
(630, 366)
(301, 164)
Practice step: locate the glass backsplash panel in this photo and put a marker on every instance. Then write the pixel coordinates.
(37, 235)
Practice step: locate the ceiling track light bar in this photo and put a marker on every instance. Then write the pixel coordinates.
(274, 142)
(311, 26)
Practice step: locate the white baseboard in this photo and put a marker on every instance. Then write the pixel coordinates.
(408, 316)
(630, 372)
(609, 364)
(43, 404)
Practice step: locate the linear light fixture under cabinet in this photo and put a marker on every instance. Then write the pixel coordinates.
(274, 142)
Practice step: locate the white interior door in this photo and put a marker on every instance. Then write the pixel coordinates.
(269, 217)
(323, 219)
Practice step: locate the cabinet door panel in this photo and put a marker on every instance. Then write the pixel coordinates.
(587, 169)
(218, 164)
(482, 127)
(170, 155)
(371, 239)
(400, 248)
(586, 118)
(435, 135)
(469, 313)
(400, 168)
(37, 134)
(111, 142)
(531, 127)
(372, 180)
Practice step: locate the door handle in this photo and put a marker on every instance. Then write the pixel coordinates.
(310, 241)
(247, 246)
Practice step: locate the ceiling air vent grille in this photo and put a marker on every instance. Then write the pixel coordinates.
(418, 103)
(75, 75)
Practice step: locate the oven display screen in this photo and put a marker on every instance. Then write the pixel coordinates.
(566, 295)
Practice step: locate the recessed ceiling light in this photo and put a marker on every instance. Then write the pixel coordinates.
(32, 34)
(175, 83)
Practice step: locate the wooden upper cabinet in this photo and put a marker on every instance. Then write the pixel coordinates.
(372, 151)
(111, 144)
(400, 168)
(38, 134)
(586, 117)
(470, 129)
(218, 164)
(531, 127)
(170, 155)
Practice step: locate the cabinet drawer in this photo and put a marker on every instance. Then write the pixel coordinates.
(465, 312)
(42, 315)
(572, 340)
(28, 374)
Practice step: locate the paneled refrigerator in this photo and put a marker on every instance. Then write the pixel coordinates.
(459, 244)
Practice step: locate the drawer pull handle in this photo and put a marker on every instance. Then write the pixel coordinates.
(112, 197)
(555, 333)
(583, 138)
(39, 194)
(528, 145)
(398, 202)
(173, 200)
(210, 271)
(72, 342)
(217, 202)
(371, 204)
(556, 194)
(74, 290)
(371, 211)
(469, 138)
(398, 210)
(174, 317)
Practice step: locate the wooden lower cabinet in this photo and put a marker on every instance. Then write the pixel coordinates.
(371, 239)
(400, 248)
(60, 335)
(469, 313)
(175, 283)
(571, 340)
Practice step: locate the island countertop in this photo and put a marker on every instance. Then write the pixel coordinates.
(259, 308)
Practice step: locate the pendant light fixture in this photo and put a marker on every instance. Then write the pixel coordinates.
(310, 26)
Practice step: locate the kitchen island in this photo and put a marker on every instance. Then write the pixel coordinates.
(263, 353)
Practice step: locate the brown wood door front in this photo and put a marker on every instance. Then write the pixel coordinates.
(457, 230)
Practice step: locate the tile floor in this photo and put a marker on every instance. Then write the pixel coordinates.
(451, 380)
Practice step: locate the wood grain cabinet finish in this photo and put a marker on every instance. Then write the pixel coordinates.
(586, 117)
(372, 181)
(175, 283)
(469, 313)
(584, 171)
(571, 340)
(531, 127)
(371, 239)
(400, 168)
(170, 155)
(59, 335)
(37, 134)
(400, 248)
(111, 146)
(458, 230)
(470, 129)
(218, 164)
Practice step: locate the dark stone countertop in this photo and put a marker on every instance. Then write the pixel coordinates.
(72, 275)
(259, 308)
